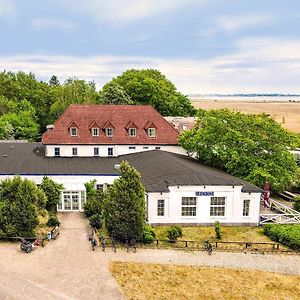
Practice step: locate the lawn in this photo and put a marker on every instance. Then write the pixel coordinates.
(152, 281)
(230, 233)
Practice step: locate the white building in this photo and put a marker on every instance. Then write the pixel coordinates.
(179, 189)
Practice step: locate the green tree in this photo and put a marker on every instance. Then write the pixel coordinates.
(72, 91)
(52, 191)
(54, 81)
(124, 206)
(114, 94)
(152, 87)
(19, 203)
(252, 147)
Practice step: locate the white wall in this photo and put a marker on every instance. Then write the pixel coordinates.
(88, 150)
(233, 209)
(70, 182)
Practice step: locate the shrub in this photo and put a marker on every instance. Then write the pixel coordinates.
(288, 235)
(96, 221)
(218, 230)
(53, 221)
(174, 232)
(52, 191)
(92, 206)
(297, 203)
(148, 235)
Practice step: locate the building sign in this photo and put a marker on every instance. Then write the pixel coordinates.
(204, 193)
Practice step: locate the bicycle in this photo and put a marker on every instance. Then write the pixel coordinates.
(208, 247)
(28, 246)
(93, 240)
(131, 245)
(102, 239)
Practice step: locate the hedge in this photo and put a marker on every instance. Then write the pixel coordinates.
(288, 235)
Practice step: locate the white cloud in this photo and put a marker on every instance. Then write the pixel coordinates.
(51, 23)
(236, 23)
(120, 11)
(232, 23)
(258, 65)
(7, 8)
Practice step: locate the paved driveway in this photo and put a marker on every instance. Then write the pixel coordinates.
(66, 268)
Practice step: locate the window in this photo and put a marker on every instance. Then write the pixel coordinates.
(74, 151)
(217, 206)
(145, 147)
(246, 207)
(110, 151)
(73, 131)
(157, 148)
(99, 187)
(151, 132)
(132, 132)
(188, 206)
(96, 151)
(131, 147)
(56, 151)
(95, 131)
(160, 207)
(109, 132)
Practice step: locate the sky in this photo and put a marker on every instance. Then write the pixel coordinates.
(202, 46)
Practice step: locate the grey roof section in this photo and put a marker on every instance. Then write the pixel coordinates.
(159, 169)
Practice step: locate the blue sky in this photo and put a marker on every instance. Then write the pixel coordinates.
(203, 46)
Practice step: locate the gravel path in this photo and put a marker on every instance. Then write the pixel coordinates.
(287, 264)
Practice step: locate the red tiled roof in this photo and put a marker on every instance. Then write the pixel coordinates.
(118, 116)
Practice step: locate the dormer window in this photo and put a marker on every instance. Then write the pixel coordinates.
(73, 131)
(132, 132)
(95, 131)
(109, 132)
(151, 132)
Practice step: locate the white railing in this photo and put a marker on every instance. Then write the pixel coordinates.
(279, 219)
(286, 214)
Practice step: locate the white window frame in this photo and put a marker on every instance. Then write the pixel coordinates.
(217, 209)
(112, 151)
(151, 132)
(76, 150)
(71, 131)
(96, 149)
(107, 130)
(132, 132)
(99, 186)
(95, 131)
(161, 207)
(189, 207)
(131, 147)
(246, 208)
(55, 149)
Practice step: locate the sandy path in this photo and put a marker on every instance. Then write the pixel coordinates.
(66, 268)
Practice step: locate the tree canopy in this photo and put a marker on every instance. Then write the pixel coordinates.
(124, 205)
(114, 94)
(150, 86)
(252, 147)
(19, 203)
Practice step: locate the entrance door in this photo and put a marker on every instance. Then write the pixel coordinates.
(67, 202)
(75, 202)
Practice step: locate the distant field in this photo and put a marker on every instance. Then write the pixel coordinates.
(152, 281)
(286, 113)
